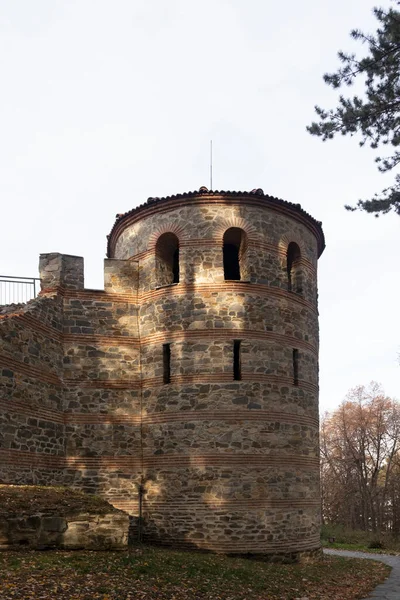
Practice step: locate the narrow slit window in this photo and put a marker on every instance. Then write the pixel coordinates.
(167, 363)
(295, 366)
(237, 367)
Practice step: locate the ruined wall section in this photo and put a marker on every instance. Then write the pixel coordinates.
(70, 381)
(31, 418)
(102, 391)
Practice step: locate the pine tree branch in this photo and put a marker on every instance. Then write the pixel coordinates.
(376, 118)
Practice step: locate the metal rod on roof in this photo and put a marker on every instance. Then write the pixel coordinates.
(211, 165)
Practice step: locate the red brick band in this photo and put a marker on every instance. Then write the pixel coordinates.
(101, 340)
(217, 334)
(29, 370)
(201, 378)
(253, 243)
(100, 384)
(131, 384)
(258, 289)
(20, 459)
(156, 418)
(293, 546)
(91, 295)
(207, 200)
(206, 289)
(190, 416)
(167, 336)
(35, 412)
(166, 461)
(33, 323)
(233, 503)
(223, 504)
(188, 335)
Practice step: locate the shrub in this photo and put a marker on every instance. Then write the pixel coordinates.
(376, 544)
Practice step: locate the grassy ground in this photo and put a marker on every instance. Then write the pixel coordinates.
(154, 573)
(20, 500)
(362, 541)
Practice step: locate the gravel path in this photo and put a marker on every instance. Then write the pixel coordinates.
(389, 589)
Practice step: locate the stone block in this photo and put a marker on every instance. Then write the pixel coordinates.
(60, 270)
(84, 532)
(57, 524)
(121, 276)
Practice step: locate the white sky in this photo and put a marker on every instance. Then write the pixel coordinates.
(105, 103)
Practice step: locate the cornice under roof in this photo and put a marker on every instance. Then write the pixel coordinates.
(256, 194)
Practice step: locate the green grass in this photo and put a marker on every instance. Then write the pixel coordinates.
(156, 573)
(358, 548)
(361, 541)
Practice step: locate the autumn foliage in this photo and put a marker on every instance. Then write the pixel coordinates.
(360, 462)
(152, 573)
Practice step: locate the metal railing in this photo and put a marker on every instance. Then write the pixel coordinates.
(14, 290)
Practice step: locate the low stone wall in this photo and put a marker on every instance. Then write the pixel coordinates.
(76, 532)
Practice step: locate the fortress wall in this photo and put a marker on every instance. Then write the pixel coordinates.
(31, 420)
(210, 359)
(254, 524)
(69, 380)
(256, 434)
(233, 306)
(137, 386)
(101, 401)
(250, 395)
(102, 398)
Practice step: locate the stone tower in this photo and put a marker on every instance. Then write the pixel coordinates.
(229, 366)
(186, 392)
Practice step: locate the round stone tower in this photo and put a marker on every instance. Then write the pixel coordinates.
(228, 318)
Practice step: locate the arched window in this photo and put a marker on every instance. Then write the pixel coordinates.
(167, 259)
(294, 275)
(234, 249)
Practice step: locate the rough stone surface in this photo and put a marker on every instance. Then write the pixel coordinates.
(223, 464)
(77, 532)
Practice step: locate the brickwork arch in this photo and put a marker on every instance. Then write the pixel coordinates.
(234, 222)
(287, 239)
(166, 228)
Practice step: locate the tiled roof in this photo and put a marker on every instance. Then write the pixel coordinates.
(203, 191)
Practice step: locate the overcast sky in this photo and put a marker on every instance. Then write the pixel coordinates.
(105, 103)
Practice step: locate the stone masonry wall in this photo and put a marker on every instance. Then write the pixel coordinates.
(31, 400)
(228, 465)
(75, 532)
(223, 464)
(102, 400)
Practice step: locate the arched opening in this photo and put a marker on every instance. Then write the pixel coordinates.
(167, 259)
(234, 249)
(293, 258)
